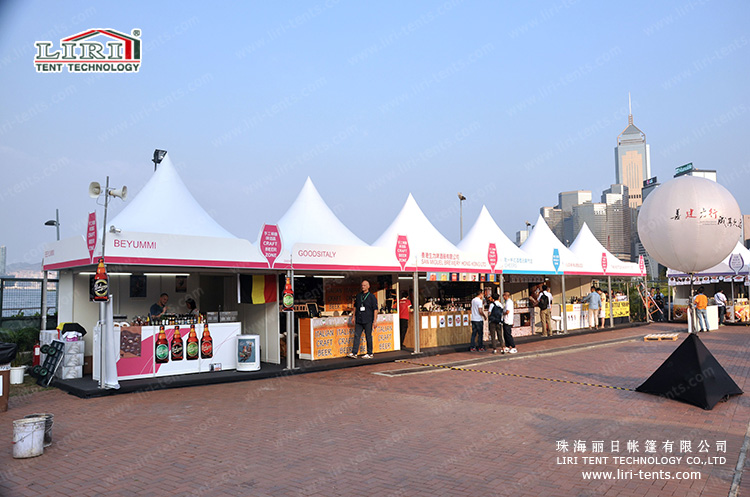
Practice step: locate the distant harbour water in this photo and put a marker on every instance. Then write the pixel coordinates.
(27, 300)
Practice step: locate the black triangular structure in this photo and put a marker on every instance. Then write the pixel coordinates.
(691, 375)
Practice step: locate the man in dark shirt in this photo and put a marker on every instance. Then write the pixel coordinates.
(365, 318)
(159, 308)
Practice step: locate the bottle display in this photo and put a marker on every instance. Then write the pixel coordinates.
(288, 296)
(191, 346)
(207, 344)
(177, 345)
(162, 347)
(101, 283)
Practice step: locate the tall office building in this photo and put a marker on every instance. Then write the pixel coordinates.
(566, 201)
(632, 160)
(2, 259)
(619, 221)
(594, 214)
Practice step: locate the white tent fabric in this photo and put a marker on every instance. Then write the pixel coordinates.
(721, 269)
(485, 231)
(421, 234)
(310, 220)
(164, 205)
(541, 246)
(598, 260)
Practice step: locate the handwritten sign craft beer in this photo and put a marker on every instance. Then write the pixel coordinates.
(91, 235)
(492, 256)
(402, 251)
(270, 243)
(604, 262)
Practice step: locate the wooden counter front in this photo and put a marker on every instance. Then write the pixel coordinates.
(329, 337)
(440, 328)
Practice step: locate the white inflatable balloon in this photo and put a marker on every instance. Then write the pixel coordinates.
(690, 224)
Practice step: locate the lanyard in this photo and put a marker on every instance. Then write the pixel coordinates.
(364, 297)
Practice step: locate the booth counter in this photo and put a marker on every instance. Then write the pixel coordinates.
(439, 328)
(329, 337)
(138, 346)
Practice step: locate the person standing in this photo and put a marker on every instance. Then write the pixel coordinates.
(160, 307)
(595, 302)
(477, 322)
(721, 301)
(403, 315)
(602, 307)
(495, 319)
(544, 302)
(701, 305)
(510, 343)
(365, 319)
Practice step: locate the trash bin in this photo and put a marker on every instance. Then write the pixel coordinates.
(4, 386)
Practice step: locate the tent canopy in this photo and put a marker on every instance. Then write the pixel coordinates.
(484, 232)
(547, 251)
(598, 260)
(722, 268)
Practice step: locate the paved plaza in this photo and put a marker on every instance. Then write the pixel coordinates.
(543, 422)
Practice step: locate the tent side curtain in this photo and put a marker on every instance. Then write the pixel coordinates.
(257, 288)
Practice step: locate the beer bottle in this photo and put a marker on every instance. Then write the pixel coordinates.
(162, 347)
(191, 346)
(101, 282)
(177, 345)
(207, 344)
(288, 297)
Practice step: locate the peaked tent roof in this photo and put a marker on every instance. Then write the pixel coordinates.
(542, 243)
(593, 254)
(309, 219)
(485, 231)
(722, 268)
(164, 205)
(421, 234)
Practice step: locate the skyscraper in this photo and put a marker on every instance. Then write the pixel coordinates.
(632, 160)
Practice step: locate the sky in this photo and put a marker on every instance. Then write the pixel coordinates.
(508, 103)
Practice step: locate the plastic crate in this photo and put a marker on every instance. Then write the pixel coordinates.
(69, 372)
(74, 347)
(70, 360)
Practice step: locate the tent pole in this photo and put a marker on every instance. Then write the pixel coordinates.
(416, 313)
(564, 313)
(610, 298)
(290, 329)
(502, 285)
(670, 296)
(733, 314)
(691, 321)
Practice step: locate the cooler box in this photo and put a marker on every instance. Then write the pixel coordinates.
(248, 352)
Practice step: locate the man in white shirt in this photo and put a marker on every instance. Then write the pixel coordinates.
(510, 344)
(477, 322)
(721, 301)
(545, 311)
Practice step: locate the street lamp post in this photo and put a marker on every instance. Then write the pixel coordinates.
(56, 223)
(461, 199)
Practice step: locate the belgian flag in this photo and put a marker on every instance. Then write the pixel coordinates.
(258, 288)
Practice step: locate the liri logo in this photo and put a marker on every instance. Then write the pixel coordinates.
(115, 53)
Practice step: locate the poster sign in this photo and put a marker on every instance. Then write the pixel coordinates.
(641, 264)
(604, 262)
(402, 251)
(736, 263)
(450, 320)
(556, 259)
(91, 235)
(270, 243)
(492, 256)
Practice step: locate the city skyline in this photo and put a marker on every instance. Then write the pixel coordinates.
(508, 104)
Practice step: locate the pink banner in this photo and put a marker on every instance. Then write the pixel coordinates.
(270, 243)
(402, 251)
(91, 235)
(492, 256)
(641, 264)
(604, 262)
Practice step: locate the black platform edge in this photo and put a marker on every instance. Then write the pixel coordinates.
(88, 388)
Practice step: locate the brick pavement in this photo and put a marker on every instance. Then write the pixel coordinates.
(351, 432)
